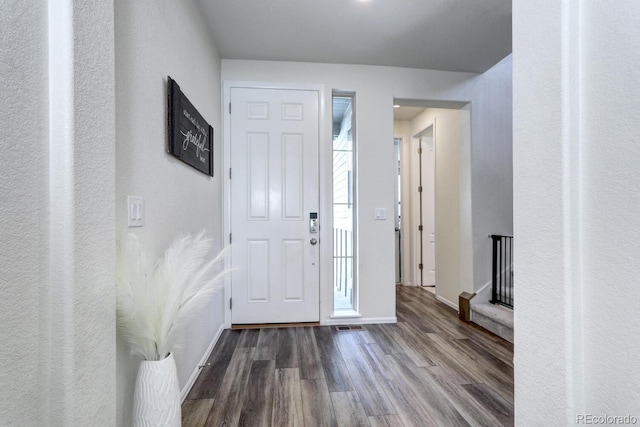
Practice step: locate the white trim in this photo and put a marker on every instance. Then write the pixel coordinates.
(360, 320)
(397, 194)
(194, 375)
(345, 314)
(447, 302)
(325, 208)
(226, 193)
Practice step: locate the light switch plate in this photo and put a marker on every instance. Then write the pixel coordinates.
(135, 211)
(380, 213)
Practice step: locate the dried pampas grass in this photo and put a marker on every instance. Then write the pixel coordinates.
(156, 300)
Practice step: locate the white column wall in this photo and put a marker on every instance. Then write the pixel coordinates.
(57, 219)
(610, 125)
(576, 169)
(547, 314)
(155, 39)
(24, 282)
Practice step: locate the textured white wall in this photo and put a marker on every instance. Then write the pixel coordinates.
(547, 317)
(155, 39)
(58, 220)
(575, 208)
(23, 210)
(375, 88)
(82, 253)
(610, 125)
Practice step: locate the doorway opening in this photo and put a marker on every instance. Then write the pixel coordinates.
(344, 206)
(415, 201)
(435, 197)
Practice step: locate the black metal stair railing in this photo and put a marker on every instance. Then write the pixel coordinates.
(502, 271)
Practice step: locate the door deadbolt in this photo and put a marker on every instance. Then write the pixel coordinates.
(313, 241)
(313, 222)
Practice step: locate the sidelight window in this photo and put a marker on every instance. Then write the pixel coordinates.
(344, 289)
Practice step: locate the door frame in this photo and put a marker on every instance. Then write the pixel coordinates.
(398, 207)
(326, 266)
(410, 208)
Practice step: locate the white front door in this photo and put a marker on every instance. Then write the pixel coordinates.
(274, 190)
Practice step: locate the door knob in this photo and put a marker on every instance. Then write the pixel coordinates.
(313, 241)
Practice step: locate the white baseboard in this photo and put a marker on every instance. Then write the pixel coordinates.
(194, 375)
(447, 302)
(360, 320)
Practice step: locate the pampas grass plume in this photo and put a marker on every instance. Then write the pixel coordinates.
(155, 301)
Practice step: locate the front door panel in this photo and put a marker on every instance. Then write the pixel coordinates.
(274, 188)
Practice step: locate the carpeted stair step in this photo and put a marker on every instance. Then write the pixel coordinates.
(494, 318)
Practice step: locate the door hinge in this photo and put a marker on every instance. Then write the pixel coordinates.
(420, 150)
(229, 238)
(420, 189)
(420, 266)
(229, 108)
(229, 173)
(230, 303)
(420, 228)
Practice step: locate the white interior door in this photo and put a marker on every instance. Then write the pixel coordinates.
(274, 190)
(428, 212)
(424, 211)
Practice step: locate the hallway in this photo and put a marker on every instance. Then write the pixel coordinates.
(429, 369)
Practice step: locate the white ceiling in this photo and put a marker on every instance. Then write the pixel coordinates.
(451, 35)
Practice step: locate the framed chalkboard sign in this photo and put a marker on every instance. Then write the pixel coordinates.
(190, 136)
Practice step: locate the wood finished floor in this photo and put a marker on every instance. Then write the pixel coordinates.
(429, 369)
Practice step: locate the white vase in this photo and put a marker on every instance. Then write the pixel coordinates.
(156, 400)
